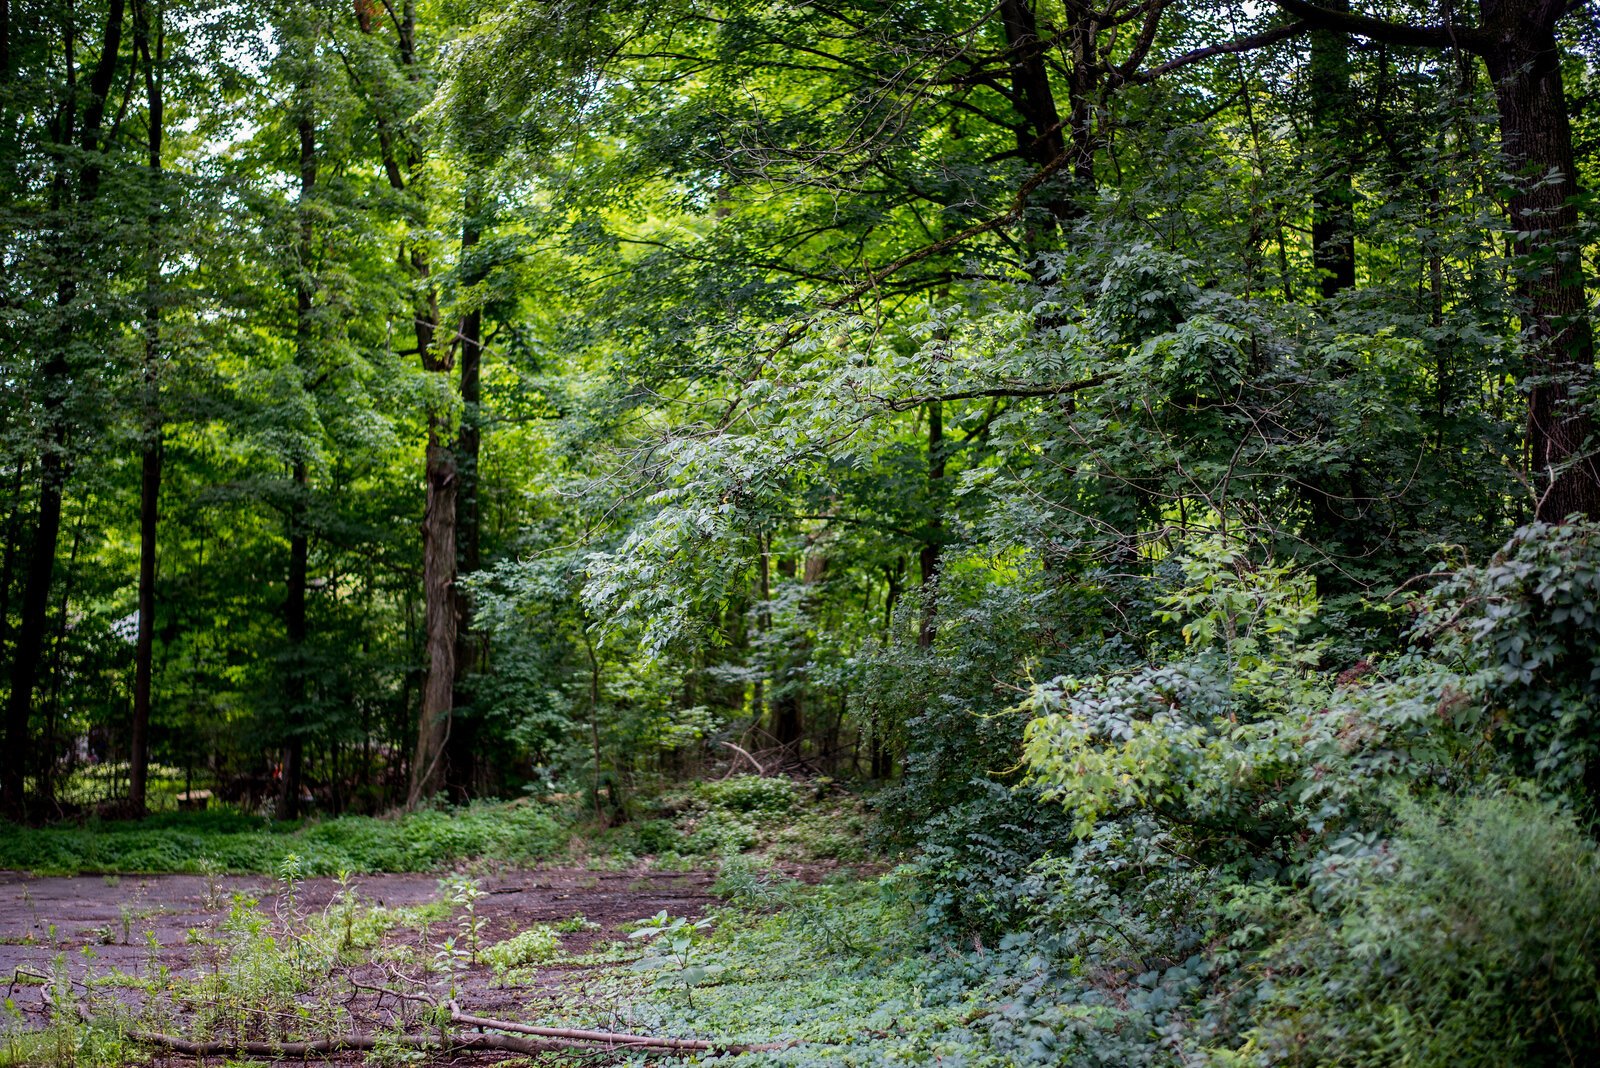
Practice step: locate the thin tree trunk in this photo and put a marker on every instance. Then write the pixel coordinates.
(150, 466)
(54, 388)
(46, 784)
(8, 562)
(763, 621)
(786, 711)
(294, 607)
(463, 738)
(932, 546)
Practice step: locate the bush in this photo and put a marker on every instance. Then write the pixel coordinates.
(1475, 942)
(533, 946)
(652, 837)
(749, 793)
(1525, 630)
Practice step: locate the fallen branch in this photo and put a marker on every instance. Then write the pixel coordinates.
(543, 1040)
(342, 1043)
(745, 753)
(612, 1038)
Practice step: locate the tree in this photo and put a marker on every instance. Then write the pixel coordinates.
(1516, 39)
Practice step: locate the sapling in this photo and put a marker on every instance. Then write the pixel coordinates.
(673, 939)
(466, 893)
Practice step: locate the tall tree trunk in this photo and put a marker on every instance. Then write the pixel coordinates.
(438, 556)
(463, 738)
(1041, 138)
(1333, 242)
(785, 700)
(1517, 42)
(9, 559)
(439, 621)
(150, 465)
(34, 619)
(758, 698)
(58, 646)
(296, 690)
(1525, 63)
(430, 763)
(933, 544)
(54, 388)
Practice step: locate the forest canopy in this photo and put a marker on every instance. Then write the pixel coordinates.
(1152, 428)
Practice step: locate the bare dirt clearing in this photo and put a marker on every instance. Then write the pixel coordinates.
(104, 928)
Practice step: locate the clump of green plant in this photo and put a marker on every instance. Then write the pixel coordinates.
(1474, 940)
(749, 793)
(673, 956)
(465, 893)
(575, 923)
(536, 945)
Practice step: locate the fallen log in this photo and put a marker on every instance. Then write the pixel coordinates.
(343, 1043)
(612, 1038)
(542, 1040)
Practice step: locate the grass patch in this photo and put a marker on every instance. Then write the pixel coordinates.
(513, 833)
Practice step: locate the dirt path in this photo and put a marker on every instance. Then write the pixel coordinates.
(134, 925)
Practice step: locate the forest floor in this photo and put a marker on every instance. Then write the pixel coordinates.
(112, 935)
(518, 912)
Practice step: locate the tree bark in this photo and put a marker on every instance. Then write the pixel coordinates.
(150, 465)
(1525, 63)
(1041, 139)
(933, 545)
(54, 388)
(294, 606)
(1333, 242)
(430, 764)
(463, 738)
(439, 612)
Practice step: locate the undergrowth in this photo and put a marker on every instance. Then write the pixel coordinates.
(511, 833)
(685, 827)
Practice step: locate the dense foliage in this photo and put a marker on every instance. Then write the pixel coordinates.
(1145, 445)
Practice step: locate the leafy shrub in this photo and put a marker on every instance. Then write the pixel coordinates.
(1525, 630)
(749, 793)
(1476, 942)
(653, 837)
(533, 946)
(720, 832)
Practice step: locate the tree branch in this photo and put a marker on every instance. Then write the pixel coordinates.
(904, 404)
(1396, 33)
(1011, 214)
(1243, 44)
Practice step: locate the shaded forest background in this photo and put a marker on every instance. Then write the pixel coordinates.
(413, 399)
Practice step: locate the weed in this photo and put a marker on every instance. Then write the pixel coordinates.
(465, 893)
(672, 941)
(533, 946)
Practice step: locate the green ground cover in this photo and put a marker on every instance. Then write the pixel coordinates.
(684, 827)
(227, 841)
